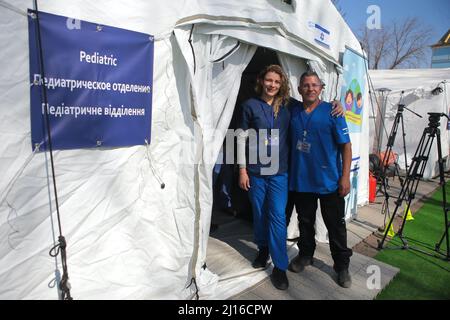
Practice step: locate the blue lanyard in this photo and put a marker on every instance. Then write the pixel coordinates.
(269, 123)
(305, 125)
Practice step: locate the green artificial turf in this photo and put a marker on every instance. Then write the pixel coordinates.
(421, 276)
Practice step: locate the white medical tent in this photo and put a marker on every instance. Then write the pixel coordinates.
(127, 238)
(421, 91)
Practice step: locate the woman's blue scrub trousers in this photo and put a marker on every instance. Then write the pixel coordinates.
(268, 196)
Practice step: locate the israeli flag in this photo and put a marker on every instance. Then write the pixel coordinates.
(322, 36)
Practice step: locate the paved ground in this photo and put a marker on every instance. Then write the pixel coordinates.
(319, 281)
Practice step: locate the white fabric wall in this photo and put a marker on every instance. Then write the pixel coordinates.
(127, 240)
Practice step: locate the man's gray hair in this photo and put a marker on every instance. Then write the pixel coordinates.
(310, 73)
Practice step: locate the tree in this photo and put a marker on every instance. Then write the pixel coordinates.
(399, 45)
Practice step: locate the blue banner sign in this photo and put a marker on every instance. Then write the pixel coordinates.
(98, 80)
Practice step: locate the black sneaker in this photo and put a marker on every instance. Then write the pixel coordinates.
(261, 258)
(279, 279)
(344, 279)
(299, 263)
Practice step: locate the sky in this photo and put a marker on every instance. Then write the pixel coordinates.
(434, 13)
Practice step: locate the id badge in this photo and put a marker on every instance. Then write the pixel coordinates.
(303, 146)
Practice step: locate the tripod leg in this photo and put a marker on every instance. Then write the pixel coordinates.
(444, 196)
(385, 211)
(423, 158)
(404, 146)
(409, 179)
(417, 165)
(397, 172)
(444, 235)
(390, 143)
(391, 139)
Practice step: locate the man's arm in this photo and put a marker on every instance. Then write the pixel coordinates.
(344, 181)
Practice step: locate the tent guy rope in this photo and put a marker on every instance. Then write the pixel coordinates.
(61, 246)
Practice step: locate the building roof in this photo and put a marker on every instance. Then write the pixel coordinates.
(445, 41)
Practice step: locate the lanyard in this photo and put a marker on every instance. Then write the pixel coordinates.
(269, 123)
(306, 125)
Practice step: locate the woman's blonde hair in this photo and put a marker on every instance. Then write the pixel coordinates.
(283, 94)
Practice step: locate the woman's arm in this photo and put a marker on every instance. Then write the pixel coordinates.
(244, 180)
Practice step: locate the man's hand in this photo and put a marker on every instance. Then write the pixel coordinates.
(244, 180)
(338, 110)
(344, 180)
(344, 186)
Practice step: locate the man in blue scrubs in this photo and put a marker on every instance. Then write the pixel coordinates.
(319, 171)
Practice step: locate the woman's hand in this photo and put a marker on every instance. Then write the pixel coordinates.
(244, 180)
(338, 110)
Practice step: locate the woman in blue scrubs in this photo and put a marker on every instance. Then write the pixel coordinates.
(264, 174)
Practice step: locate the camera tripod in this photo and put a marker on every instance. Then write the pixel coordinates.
(384, 162)
(415, 172)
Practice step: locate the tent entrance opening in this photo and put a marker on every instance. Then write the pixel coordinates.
(229, 201)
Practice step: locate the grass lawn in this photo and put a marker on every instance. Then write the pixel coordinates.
(421, 276)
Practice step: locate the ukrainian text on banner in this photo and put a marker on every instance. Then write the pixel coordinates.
(98, 81)
(353, 89)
